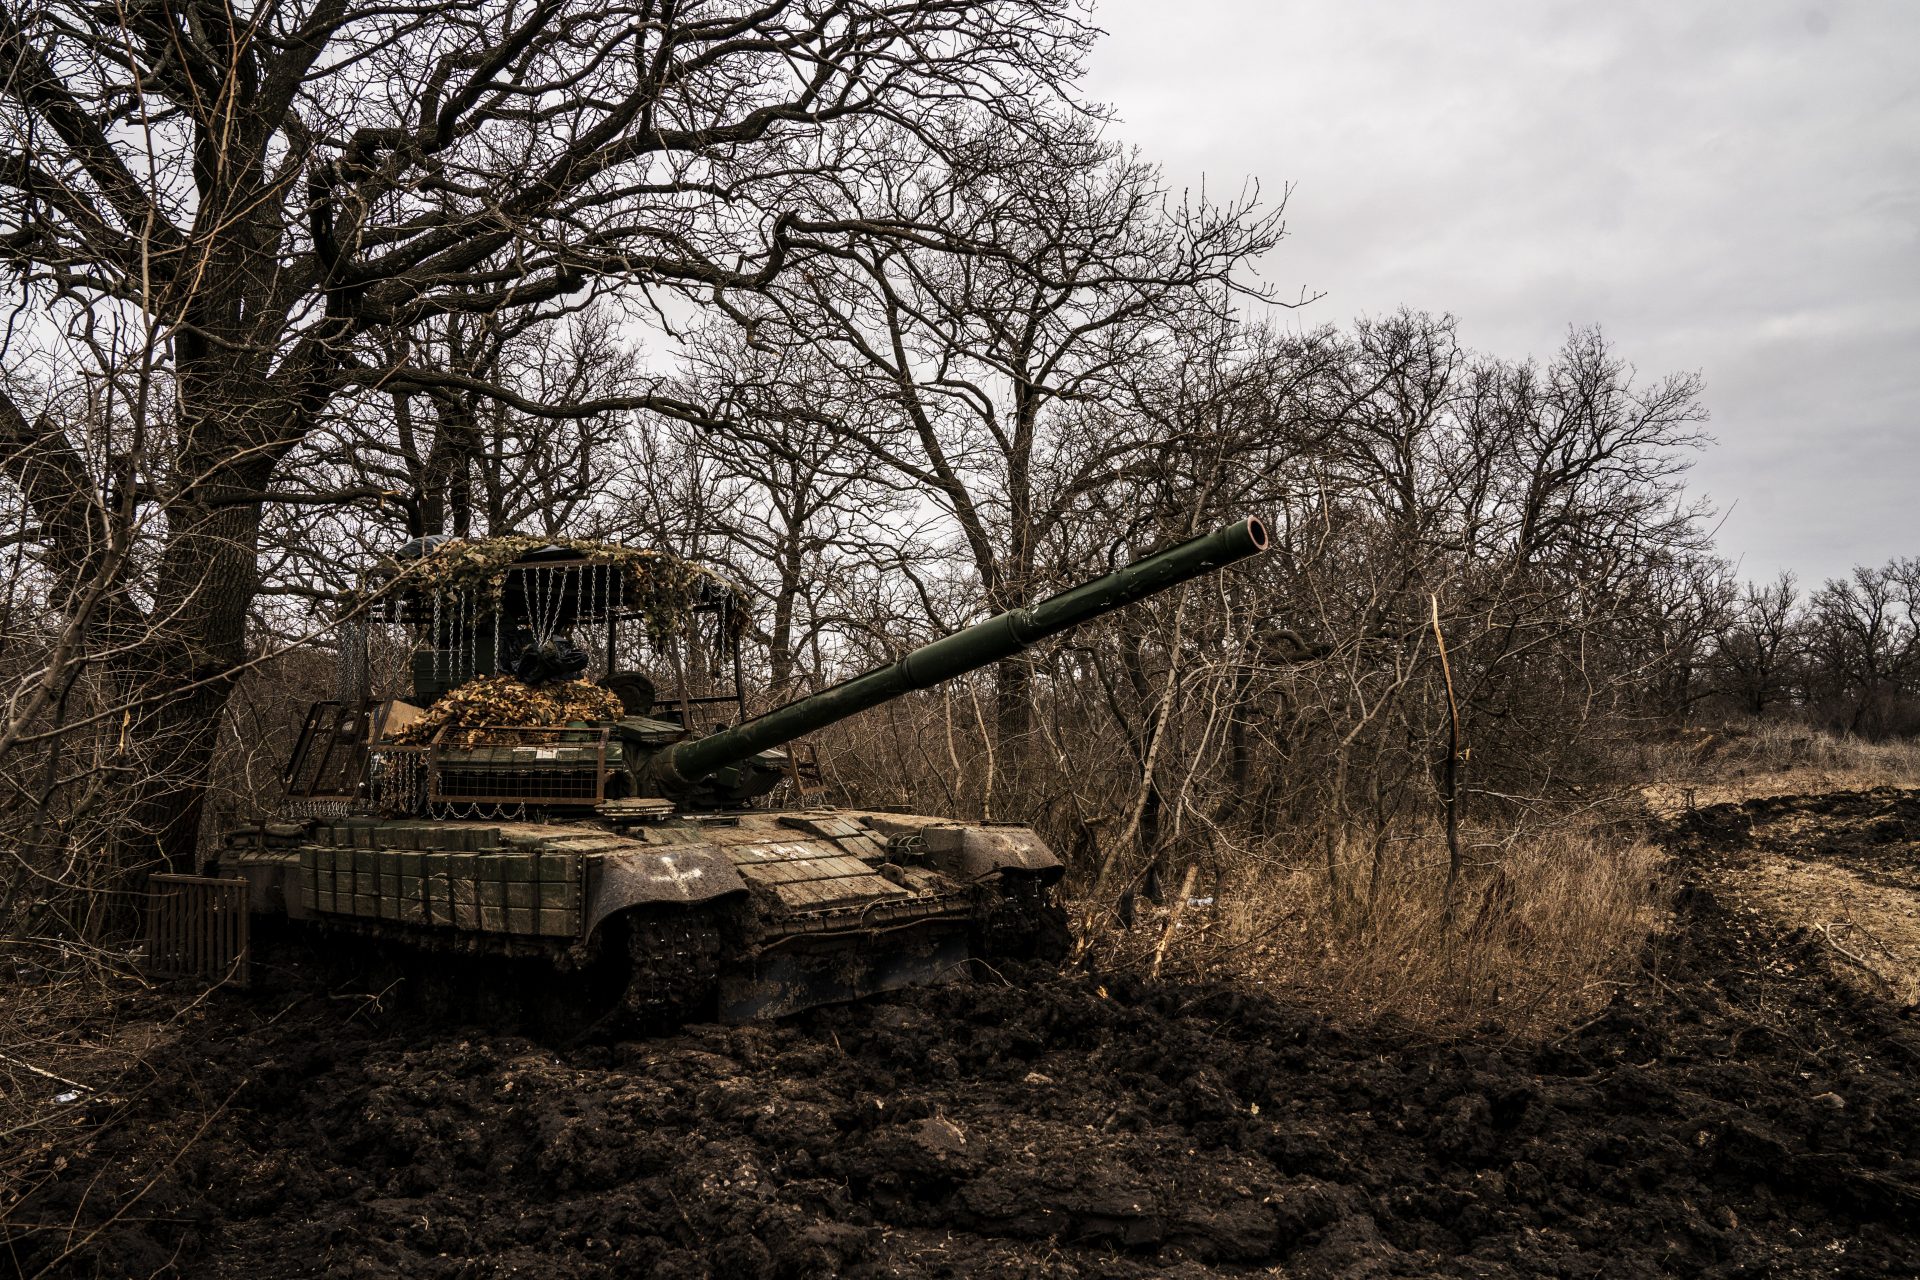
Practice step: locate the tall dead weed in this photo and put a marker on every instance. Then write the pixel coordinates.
(1543, 930)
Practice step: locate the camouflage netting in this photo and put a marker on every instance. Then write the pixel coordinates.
(502, 701)
(662, 587)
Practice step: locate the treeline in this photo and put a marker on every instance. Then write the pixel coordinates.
(1844, 657)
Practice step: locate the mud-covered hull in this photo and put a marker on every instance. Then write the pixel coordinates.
(741, 916)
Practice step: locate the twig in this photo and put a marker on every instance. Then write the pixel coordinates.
(75, 1084)
(374, 1001)
(1872, 937)
(1826, 931)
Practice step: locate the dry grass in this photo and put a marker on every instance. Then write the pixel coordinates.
(1548, 924)
(1874, 929)
(1546, 929)
(1750, 759)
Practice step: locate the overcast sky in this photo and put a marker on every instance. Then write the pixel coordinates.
(1726, 187)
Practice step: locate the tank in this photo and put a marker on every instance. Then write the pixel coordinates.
(665, 857)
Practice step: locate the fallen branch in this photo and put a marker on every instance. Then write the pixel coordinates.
(39, 1071)
(1826, 931)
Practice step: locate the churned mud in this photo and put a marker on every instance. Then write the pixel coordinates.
(1745, 1108)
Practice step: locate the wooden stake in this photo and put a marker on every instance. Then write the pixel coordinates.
(1450, 776)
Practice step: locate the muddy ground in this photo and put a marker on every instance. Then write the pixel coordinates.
(1740, 1110)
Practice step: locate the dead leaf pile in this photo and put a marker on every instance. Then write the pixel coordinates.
(502, 701)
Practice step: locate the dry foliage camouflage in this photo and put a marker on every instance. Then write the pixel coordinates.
(502, 701)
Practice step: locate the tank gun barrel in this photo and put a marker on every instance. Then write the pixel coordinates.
(999, 637)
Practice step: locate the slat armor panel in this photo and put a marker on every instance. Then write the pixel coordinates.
(197, 928)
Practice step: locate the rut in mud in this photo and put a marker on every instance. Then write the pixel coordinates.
(1737, 1111)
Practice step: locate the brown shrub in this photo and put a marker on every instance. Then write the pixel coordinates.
(1544, 930)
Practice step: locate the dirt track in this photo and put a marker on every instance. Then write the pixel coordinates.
(1741, 1111)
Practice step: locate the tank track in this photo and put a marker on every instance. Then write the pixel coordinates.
(675, 965)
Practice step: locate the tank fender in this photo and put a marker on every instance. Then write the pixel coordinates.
(679, 873)
(971, 852)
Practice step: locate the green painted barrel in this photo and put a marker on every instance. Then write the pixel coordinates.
(999, 637)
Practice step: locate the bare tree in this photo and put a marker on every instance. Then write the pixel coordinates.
(1864, 643)
(453, 458)
(1758, 652)
(810, 514)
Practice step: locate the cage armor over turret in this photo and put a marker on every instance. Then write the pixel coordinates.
(507, 806)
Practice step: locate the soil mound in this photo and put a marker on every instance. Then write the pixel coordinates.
(1736, 1112)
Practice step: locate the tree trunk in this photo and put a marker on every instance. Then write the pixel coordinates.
(179, 675)
(780, 647)
(236, 421)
